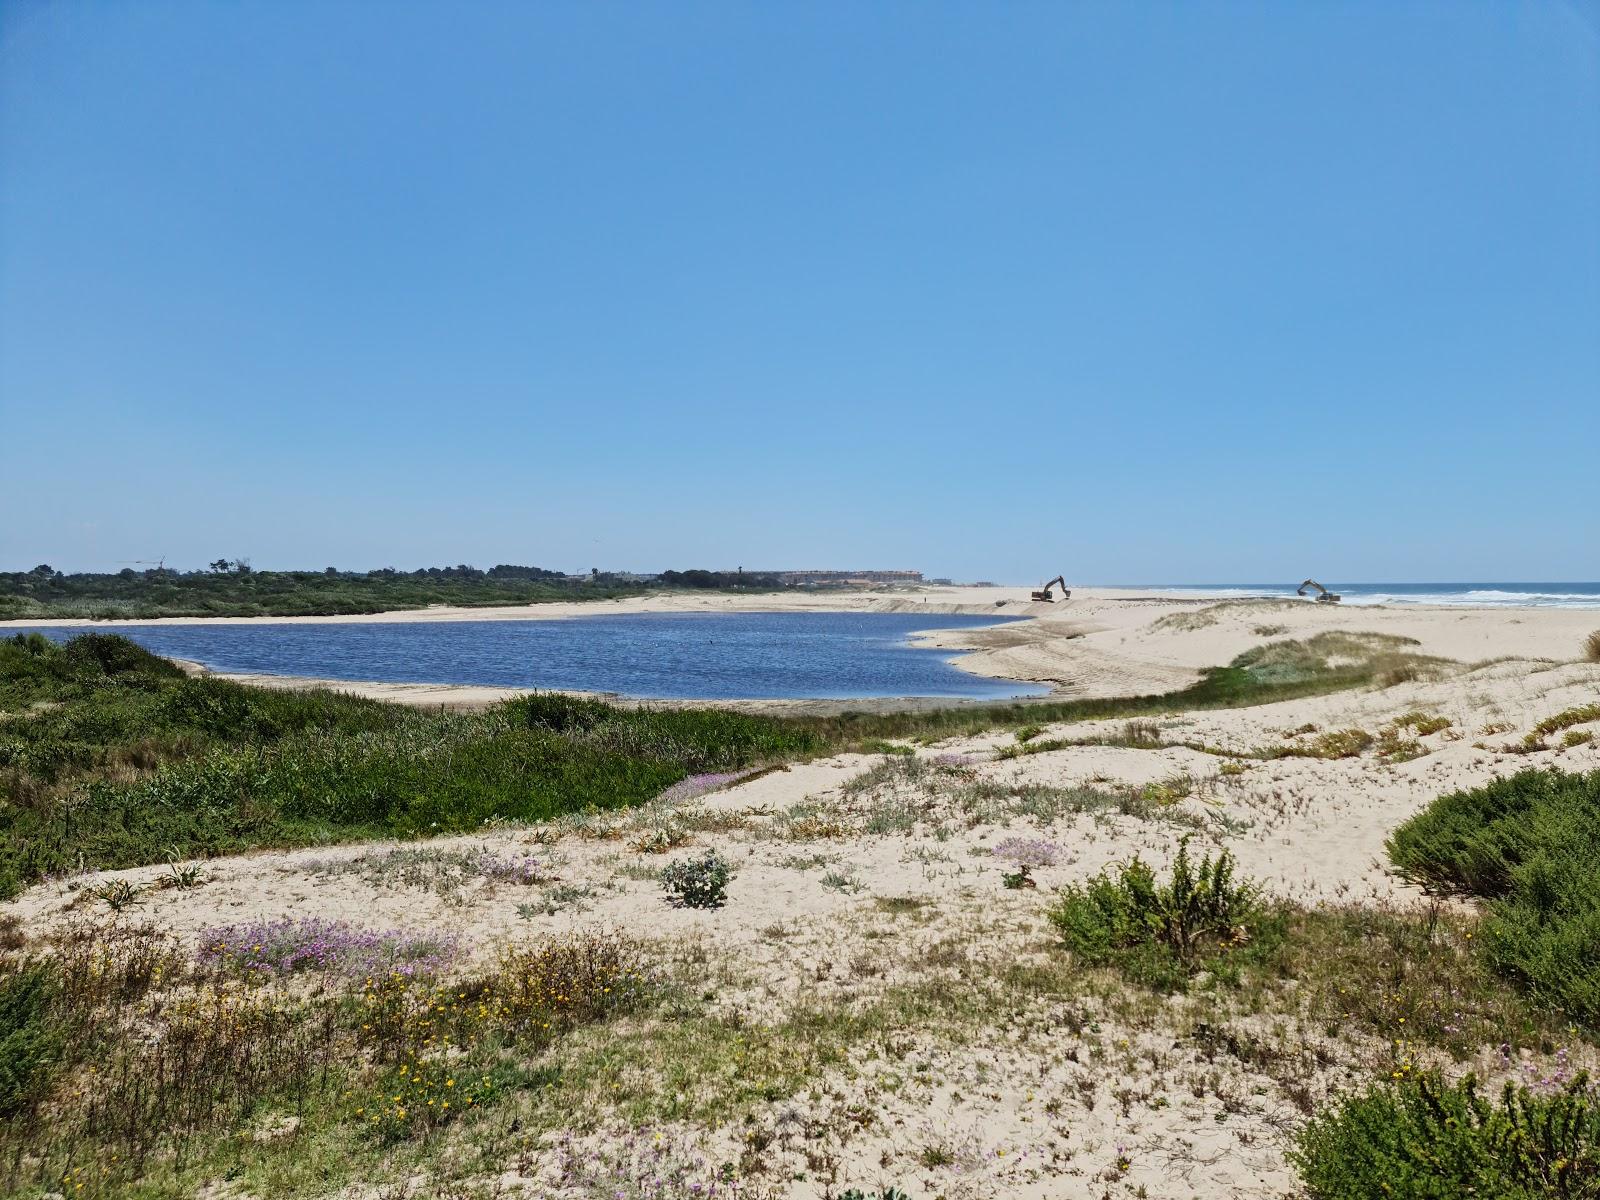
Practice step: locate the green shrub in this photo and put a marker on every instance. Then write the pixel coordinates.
(550, 710)
(1525, 844)
(122, 760)
(698, 882)
(1423, 1139)
(31, 1042)
(1161, 934)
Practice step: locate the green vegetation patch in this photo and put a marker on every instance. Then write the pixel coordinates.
(112, 757)
(30, 1043)
(1161, 934)
(1405, 979)
(1328, 662)
(234, 589)
(1583, 714)
(1423, 1139)
(128, 1068)
(1526, 845)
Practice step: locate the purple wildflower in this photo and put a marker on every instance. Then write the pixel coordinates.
(1028, 852)
(283, 947)
(698, 785)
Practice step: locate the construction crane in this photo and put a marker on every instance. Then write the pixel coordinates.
(1324, 596)
(159, 564)
(1044, 593)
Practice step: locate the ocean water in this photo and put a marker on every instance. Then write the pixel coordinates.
(1466, 595)
(682, 656)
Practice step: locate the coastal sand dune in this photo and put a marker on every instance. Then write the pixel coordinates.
(860, 878)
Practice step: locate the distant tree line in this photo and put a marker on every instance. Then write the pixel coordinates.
(232, 587)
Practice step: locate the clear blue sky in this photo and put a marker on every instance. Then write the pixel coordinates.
(1138, 292)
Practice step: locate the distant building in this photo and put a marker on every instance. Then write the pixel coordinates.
(843, 578)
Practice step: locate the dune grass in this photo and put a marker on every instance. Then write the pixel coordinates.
(144, 1070)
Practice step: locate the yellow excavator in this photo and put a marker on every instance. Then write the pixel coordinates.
(1324, 596)
(1044, 593)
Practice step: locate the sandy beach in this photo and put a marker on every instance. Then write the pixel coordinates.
(859, 877)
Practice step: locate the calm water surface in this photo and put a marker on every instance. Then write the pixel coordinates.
(688, 656)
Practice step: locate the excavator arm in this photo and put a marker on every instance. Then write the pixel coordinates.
(1045, 593)
(1324, 596)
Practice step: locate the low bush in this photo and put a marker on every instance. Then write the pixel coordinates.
(1022, 877)
(1525, 845)
(1591, 646)
(1423, 1139)
(1161, 934)
(698, 882)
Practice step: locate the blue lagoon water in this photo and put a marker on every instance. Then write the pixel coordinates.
(687, 656)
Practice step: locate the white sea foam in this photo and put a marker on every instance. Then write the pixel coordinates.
(1480, 598)
(1374, 594)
